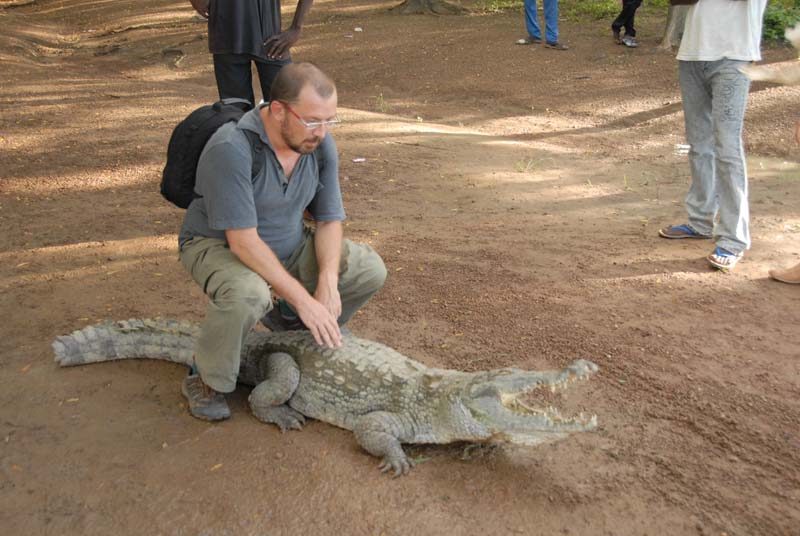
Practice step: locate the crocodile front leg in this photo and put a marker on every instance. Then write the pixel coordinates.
(381, 433)
(268, 398)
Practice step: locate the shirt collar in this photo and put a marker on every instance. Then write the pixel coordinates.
(252, 121)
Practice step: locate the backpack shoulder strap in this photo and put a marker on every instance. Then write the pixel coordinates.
(257, 150)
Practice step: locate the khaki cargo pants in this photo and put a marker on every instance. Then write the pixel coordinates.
(238, 297)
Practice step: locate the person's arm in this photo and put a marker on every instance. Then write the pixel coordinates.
(201, 6)
(279, 44)
(256, 255)
(328, 246)
(797, 132)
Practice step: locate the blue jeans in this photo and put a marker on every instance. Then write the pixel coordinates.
(714, 101)
(550, 20)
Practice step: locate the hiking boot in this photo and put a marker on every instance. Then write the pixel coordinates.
(275, 320)
(204, 402)
(630, 41)
(787, 275)
(723, 260)
(617, 37)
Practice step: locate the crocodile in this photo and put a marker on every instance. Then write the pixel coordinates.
(383, 397)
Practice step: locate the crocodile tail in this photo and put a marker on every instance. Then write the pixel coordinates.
(158, 338)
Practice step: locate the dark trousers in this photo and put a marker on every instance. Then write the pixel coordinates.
(625, 17)
(235, 78)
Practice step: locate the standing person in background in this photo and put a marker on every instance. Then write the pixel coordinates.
(720, 36)
(245, 31)
(550, 23)
(625, 20)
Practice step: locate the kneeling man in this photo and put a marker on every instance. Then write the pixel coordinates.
(244, 236)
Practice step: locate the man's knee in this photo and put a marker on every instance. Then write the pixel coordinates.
(248, 293)
(374, 272)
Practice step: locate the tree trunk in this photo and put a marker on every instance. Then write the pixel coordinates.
(439, 7)
(676, 19)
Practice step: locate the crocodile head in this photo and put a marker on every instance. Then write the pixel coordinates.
(517, 406)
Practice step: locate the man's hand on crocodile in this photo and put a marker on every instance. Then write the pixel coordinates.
(320, 322)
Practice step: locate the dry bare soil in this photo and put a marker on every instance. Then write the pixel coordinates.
(515, 194)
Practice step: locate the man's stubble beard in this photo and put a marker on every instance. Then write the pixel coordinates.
(297, 147)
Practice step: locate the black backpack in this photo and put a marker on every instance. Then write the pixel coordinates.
(188, 140)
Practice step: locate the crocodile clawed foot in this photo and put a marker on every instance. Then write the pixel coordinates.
(283, 416)
(400, 466)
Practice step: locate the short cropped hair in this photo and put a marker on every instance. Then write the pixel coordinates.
(294, 77)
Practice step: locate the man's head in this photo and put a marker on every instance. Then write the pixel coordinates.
(303, 102)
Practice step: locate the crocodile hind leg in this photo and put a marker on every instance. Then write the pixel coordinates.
(268, 398)
(380, 433)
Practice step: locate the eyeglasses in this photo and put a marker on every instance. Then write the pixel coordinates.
(312, 125)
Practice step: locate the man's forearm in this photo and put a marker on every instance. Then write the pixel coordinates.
(328, 247)
(300, 13)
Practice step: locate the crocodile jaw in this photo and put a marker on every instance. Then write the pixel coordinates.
(529, 426)
(500, 403)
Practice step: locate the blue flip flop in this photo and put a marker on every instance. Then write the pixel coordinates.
(680, 231)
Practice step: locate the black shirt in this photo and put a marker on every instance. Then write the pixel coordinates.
(242, 26)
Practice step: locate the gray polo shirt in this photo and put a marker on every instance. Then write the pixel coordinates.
(270, 202)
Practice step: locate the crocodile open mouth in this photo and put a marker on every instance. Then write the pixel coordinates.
(530, 407)
(556, 401)
(554, 405)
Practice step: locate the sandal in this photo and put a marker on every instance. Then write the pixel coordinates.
(723, 260)
(680, 231)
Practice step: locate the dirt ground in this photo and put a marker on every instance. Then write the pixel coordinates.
(514, 193)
